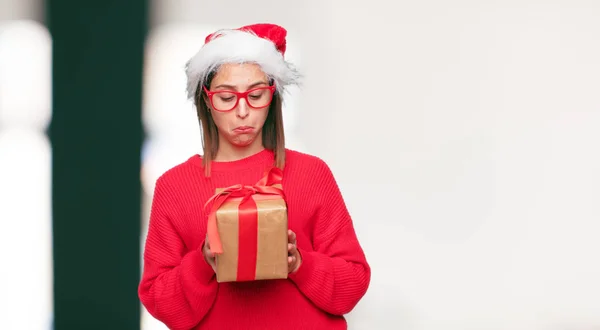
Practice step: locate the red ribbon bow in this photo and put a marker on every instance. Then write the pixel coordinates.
(247, 207)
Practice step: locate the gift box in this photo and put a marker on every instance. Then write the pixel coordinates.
(247, 231)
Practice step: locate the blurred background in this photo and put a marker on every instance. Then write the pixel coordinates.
(464, 136)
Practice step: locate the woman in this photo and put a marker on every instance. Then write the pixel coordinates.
(236, 81)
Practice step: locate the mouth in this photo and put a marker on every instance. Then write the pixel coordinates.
(243, 129)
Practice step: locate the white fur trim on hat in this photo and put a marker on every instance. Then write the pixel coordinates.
(235, 46)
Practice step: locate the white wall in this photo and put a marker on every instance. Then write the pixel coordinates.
(464, 136)
(21, 9)
(25, 176)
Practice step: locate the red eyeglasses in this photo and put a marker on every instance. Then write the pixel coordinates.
(227, 100)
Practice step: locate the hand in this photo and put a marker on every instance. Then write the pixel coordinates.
(208, 255)
(294, 257)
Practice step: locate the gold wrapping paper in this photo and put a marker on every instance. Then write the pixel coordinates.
(272, 253)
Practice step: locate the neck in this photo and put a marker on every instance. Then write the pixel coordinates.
(228, 152)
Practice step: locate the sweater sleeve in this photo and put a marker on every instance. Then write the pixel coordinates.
(178, 287)
(335, 275)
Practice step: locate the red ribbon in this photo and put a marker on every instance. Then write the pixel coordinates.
(247, 222)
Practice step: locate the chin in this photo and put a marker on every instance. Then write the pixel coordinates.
(242, 144)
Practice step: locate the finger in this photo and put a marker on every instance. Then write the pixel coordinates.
(292, 248)
(291, 260)
(291, 236)
(207, 252)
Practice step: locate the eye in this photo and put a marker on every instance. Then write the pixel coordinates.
(257, 95)
(226, 97)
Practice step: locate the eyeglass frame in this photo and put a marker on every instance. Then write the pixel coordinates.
(239, 95)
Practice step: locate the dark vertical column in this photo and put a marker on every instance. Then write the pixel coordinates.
(96, 136)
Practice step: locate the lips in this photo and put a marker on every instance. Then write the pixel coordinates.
(243, 129)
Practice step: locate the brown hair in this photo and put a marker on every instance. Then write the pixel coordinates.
(273, 137)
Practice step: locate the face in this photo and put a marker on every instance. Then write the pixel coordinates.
(241, 126)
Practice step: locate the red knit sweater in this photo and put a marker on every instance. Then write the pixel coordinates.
(179, 288)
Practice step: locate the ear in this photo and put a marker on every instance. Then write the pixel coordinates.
(206, 102)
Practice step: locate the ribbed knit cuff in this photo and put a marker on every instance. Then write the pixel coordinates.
(305, 270)
(202, 270)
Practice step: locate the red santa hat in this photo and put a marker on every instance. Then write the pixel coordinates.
(263, 44)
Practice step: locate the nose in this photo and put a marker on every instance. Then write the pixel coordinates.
(242, 110)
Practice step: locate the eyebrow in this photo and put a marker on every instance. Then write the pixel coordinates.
(234, 87)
